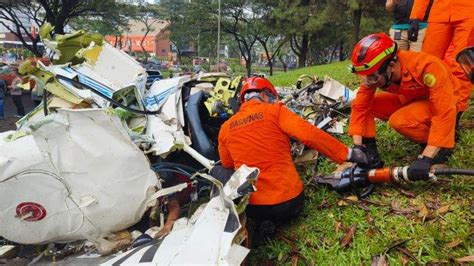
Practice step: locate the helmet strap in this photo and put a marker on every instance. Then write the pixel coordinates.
(383, 70)
(271, 97)
(388, 79)
(259, 95)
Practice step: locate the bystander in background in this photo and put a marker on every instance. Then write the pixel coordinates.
(16, 95)
(408, 34)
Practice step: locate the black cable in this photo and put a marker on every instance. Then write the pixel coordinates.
(171, 164)
(82, 85)
(173, 171)
(454, 171)
(45, 102)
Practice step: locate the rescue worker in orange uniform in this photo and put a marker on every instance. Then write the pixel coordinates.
(259, 135)
(448, 21)
(418, 101)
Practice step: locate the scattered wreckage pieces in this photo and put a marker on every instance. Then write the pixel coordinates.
(319, 102)
(83, 60)
(209, 236)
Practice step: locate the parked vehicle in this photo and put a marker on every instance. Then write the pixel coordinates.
(153, 75)
(152, 65)
(176, 68)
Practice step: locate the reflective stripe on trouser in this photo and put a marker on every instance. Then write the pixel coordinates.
(439, 36)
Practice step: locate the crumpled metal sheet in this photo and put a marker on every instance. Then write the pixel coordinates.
(78, 168)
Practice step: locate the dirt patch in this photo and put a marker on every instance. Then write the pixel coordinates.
(8, 123)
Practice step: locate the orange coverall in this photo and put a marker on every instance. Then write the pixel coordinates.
(422, 107)
(259, 136)
(448, 21)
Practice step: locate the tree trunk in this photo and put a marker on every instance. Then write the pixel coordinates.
(341, 51)
(116, 41)
(120, 44)
(178, 55)
(303, 50)
(58, 25)
(285, 67)
(143, 48)
(333, 53)
(34, 49)
(248, 63)
(356, 18)
(267, 53)
(270, 65)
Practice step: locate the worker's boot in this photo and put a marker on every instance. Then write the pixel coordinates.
(372, 153)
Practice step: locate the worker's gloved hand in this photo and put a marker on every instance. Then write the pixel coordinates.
(357, 154)
(420, 168)
(413, 30)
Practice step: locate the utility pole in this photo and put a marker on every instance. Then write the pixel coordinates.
(218, 35)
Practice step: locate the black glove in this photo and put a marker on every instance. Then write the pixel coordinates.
(413, 30)
(372, 153)
(358, 154)
(420, 168)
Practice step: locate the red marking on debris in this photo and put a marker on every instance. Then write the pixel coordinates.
(33, 211)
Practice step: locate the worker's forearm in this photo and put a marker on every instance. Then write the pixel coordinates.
(430, 151)
(390, 5)
(357, 139)
(173, 211)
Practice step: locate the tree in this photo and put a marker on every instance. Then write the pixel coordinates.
(270, 38)
(292, 19)
(56, 12)
(373, 9)
(13, 14)
(60, 12)
(181, 15)
(148, 16)
(116, 24)
(239, 19)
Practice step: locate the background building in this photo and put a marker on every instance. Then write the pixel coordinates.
(157, 41)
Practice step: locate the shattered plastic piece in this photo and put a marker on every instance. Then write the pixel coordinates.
(244, 176)
(337, 92)
(7, 251)
(69, 48)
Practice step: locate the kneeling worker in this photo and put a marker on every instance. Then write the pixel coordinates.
(258, 135)
(418, 100)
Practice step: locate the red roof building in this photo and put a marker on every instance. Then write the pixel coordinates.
(157, 41)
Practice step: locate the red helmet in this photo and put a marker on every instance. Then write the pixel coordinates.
(371, 52)
(257, 84)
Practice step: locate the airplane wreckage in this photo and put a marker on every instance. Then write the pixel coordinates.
(78, 168)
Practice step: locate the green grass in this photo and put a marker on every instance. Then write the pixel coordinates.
(338, 71)
(313, 238)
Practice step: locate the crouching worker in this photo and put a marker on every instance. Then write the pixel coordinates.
(418, 100)
(258, 135)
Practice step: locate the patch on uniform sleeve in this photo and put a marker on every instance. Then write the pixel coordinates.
(429, 80)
